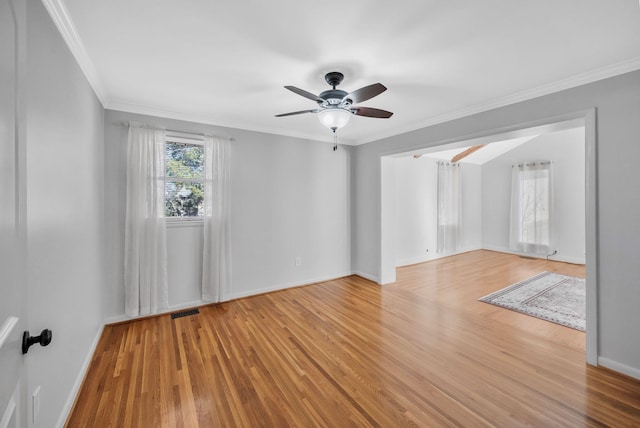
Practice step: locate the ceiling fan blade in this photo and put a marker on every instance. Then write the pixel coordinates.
(304, 93)
(296, 112)
(371, 112)
(366, 93)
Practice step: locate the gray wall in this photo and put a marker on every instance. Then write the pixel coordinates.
(566, 149)
(486, 193)
(289, 198)
(293, 198)
(617, 101)
(416, 197)
(65, 215)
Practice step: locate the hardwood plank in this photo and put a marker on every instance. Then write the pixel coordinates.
(420, 352)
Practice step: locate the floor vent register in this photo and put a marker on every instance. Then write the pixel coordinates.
(184, 313)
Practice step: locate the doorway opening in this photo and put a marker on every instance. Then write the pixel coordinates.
(490, 229)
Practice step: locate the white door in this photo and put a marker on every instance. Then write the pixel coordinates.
(12, 313)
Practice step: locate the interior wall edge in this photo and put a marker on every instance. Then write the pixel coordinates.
(73, 393)
(619, 367)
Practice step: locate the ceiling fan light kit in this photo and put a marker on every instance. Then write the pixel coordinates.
(334, 118)
(335, 106)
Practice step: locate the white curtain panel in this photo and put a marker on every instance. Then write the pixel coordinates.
(531, 208)
(216, 263)
(449, 207)
(145, 264)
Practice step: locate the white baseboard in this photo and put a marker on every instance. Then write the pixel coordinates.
(415, 260)
(367, 276)
(269, 289)
(11, 414)
(172, 308)
(434, 256)
(619, 367)
(232, 296)
(79, 379)
(185, 305)
(556, 258)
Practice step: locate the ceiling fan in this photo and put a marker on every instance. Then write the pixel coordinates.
(335, 106)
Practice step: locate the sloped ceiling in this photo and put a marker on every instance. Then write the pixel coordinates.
(485, 154)
(226, 62)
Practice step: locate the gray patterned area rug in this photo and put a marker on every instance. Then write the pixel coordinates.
(549, 296)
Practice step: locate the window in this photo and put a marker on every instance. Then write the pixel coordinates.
(184, 180)
(532, 201)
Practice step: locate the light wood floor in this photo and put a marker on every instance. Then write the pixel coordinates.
(421, 352)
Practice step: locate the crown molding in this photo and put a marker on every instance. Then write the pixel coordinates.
(129, 107)
(613, 70)
(550, 88)
(60, 16)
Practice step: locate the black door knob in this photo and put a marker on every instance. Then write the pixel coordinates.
(27, 340)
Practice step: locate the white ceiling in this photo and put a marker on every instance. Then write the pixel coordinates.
(483, 155)
(225, 62)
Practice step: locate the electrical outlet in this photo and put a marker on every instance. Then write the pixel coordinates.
(35, 404)
(298, 261)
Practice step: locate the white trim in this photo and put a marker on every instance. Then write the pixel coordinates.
(588, 118)
(416, 260)
(9, 412)
(7, 327)
(556, 258)
(278, 287)
(184, 222)
(184, 140)
(170, 309)
(557, 86)
(592, 232)
(63, 22)
(79, 380)
(185, 305)
(67, 29)
(184, 137)
(619, 367)
(550, 88)
(233, 296)
(367, 276)
(130, 107)
(435, 256)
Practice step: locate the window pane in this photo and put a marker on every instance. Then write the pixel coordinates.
(184, 160)
(184, 198)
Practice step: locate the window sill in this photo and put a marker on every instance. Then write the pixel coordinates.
(184, 222)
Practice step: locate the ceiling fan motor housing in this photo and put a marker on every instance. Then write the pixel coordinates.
(333, 97)
(334, 78)
(335, 106)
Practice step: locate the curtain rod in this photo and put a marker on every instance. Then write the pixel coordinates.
(541, 163)
(177, 133)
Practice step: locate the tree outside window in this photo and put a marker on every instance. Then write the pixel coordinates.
(184, 182)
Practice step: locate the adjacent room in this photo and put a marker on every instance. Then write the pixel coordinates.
(319, 214)
(449, 201)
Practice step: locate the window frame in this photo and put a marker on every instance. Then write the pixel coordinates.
(186, 221)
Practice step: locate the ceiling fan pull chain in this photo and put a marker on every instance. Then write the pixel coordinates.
(335, 140)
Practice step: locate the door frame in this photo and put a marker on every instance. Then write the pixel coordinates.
(14, 406)
(586, 118)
